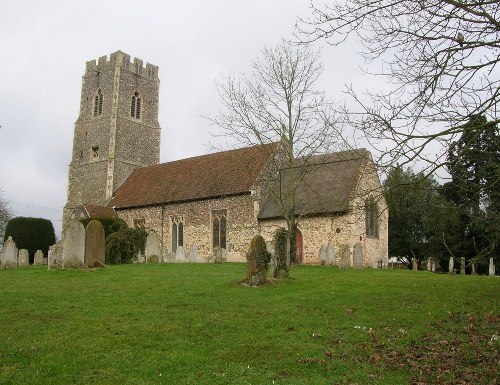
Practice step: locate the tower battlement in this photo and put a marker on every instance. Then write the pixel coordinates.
(121, 59)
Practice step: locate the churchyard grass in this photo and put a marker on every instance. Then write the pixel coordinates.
(195, 324)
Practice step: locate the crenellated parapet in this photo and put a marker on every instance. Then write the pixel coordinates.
(123, 60)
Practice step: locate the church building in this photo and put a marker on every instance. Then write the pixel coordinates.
(221, 199)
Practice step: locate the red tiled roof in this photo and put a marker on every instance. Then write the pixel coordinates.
(209, 176)
(94, 211)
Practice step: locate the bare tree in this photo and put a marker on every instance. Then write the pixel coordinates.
(278, 102)
(5, 215)
(441, 61)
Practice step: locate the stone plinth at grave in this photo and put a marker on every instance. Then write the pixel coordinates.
(330, 252)
(345, 257)
(322, 255)
(193, 254)
(153, 247)
(38, 260)
(9, 253)
(23, 258)
(73, 256)
(357, 258)
(94, 245)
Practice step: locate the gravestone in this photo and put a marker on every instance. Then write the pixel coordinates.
(433, 265)
(94, 245)
(473, 268)
(193, 254)
(345, 257)
(54, 259)
(330, 252)
(23, 258)
(38, 260)
(170, 257)
(462, 266)
(357, 258)
(273, 263)
(451, 265)
(153, 247)
(73, 255)
(491, 270)
(218, 256)
(10, 252)
(322, 255)
(414, 265)
(179, 254)
(429, 264)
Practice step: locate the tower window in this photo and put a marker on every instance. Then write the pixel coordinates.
(219, 228)
(94, 153)
(135, 106)
(98, 103)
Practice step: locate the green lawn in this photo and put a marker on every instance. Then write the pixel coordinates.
(194, 324)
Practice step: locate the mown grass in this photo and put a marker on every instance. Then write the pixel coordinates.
(195, 324)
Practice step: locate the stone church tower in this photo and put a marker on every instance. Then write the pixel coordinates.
(117, 129)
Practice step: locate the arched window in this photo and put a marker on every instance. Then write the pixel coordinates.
(98, 103)
(219, 226)
(371, 218)
(135, 106)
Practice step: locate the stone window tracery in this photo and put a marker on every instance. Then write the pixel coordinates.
(98, 98)
(219, 228)
(140, 223)
(177, 233)
(135, 106)
(371, 218)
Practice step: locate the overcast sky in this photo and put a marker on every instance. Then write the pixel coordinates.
(45, 45)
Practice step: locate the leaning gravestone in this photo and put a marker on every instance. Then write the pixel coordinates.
(179, 254)
(153, 247)
(94, 245)
(345, 257)
(357, 257)
(330, 251)
(451, 265)
(10, 252)
(193, 254)
(23, 258)
(73, 255)
(491, 270)
(38, 260)
(322, 255)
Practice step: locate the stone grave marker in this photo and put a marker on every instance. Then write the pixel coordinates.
(73, 255)
(38, 260)
(433, 265)
(95, 245)
(345, 257)
(357, 258)
(451, 265)
(10, 253)
(23, 258)
(193, 254)
(414, 265)
(462, 266)
(491, 270)
(330, 251)
(429, 263)
(322, 255)
(153, 247)
(179, 254)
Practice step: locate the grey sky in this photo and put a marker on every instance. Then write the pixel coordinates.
(45, 45)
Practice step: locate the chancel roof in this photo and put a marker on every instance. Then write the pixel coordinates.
(209, 176)
(326, 184)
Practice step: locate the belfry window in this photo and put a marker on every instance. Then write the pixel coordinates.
(94, 153)
(98, 103)
(371, 218)
(135, 106)
(177, 233)
(219, 228)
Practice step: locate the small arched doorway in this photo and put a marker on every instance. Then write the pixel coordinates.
(298, 247)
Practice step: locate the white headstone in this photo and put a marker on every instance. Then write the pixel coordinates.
(331, 253)
(38, 260)
(9, 260)
(451, 265)
(193, 254)
(24, 258)
(153, 247)
(357, 258)
(179, 254)
(54, 259)
(491, 271)
(322, 255)
(73, 255)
